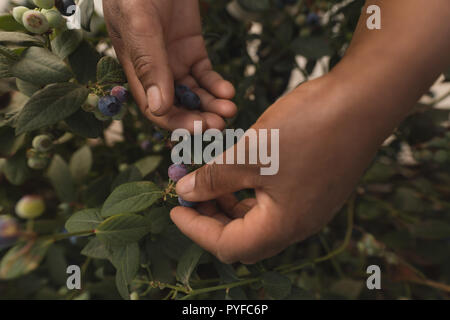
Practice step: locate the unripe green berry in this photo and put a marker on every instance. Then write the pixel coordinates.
(35, 22)
(44, 4)
(37, 163)
(91, 103)
(134, 296)
(42, 143)
(30, 207)
(18, 12)
(55, 19)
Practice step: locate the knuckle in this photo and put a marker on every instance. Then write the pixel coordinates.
(208, 176)
(143, 65)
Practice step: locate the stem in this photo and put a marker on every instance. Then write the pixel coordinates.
(62, 236)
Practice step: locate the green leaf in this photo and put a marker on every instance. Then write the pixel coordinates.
(81, 163)
(123, 229)
(126, 259)
(159, 218)
(23, 258)
(8, 56)
(109, 71)
(27, 88)
(432, 230)
(61, 179)
(50, 105)
(20, 39)
(122, 286)
(85, 124)
(277, 286)
(131, 197)
(8, 23)
(312, 47)
(96, 249)
(84, 62)
(148, 164)
(55, 262)
(131, 174)
(84, 220)
(41, 67)
(66, 43)
(188, 263)
(16, 169)
(86, 12)
(4, 68)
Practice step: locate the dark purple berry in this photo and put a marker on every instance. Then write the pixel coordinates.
(120, 93)
(190, 100)
(312, 19)
(9, 231)
(177, 171)
(185, 203)
(66, 7)
(158, 136)
(109, 106)
(181, 89)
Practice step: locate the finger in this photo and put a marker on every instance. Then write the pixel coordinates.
(211, 80)
(214, 180)
(235, 208)
(250, 239)
(144, 40)
(210, 209)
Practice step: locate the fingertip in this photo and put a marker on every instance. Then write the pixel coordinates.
(225, 90)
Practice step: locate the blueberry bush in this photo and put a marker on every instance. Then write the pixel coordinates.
(72, 195)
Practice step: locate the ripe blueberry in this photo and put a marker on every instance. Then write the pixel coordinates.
(35, 22)
(30, 207)
(109, 106)
(66, 7)
(9, 231)
(120, 93)
(185, 203)
(42, 143)
(18, 12)
(312, 19)
(190, 100)
(177, 171)
(44, 4)
(181, 89)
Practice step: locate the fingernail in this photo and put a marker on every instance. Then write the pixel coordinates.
(186, 184)
(154, 98)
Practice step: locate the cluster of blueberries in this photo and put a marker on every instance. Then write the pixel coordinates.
(176, 172)
(112, 104)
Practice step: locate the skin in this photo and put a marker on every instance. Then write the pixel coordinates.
(159, 42)
(330, 130)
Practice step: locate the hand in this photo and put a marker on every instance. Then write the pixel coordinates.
(159, 42)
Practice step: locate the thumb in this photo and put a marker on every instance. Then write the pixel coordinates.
(214, 180)
(148, 55)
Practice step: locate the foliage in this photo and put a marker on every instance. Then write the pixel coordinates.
(108, 202)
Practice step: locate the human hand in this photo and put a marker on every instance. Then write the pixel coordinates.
(160, 42)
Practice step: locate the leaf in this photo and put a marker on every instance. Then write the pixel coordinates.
(8, 55)
(9, 143)
(131, 174)
(312, 47)
(188, 263)
(41, 67)
(277, 286)
(81, 163)
(159, 218)
(19, 39)
(85, 124)
(96, 249)
(4, 68)
(432, 230)
(109, 71)
(54, 103)
(84, 220)
(55, 262)
(27, 88)
(122, 286)
(126, 259)
(148, 164)
(23, 258)
(131, 197)
(86, 12)
(16, 169)
(123, 229)
(61, 179)
(8, 23)
(66, 43)
(84, 62)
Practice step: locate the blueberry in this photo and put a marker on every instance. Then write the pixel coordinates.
(312, 19)
(30, 207)
(18, 12)
(44, 4)
(190, 100)
(66, 7)
(120, 93)
(35, 22)
(185, 203)
(109, 106)
(181, 89)
(55, 19)
(9, 231)
(177, 171)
